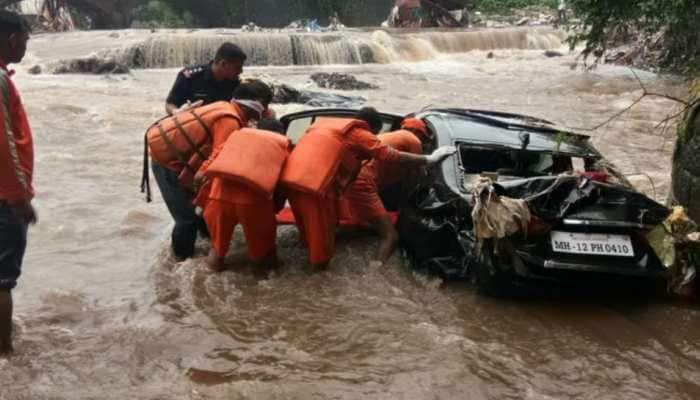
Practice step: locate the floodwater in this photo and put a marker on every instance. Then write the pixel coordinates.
(103, 312)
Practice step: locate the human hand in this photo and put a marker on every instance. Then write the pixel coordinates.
(25, 211)
(200, 179)
(441, 154)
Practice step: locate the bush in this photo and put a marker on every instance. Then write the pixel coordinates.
(159, 14)
(677, 20)
(505, 6)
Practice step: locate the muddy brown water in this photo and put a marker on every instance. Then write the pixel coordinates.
(103, 313)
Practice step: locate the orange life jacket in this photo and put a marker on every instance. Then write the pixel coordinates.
(322, 160)
(175, 140)
(253, 157)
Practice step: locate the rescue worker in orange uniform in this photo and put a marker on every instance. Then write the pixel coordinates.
(231, 202)
(362, 201)
(16, 170)
(327, 159)
(175, 170)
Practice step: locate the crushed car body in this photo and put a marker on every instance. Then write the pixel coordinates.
(509, 207)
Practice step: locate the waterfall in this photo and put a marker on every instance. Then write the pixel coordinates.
(174, 50)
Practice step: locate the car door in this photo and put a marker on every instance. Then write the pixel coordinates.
(295, 124)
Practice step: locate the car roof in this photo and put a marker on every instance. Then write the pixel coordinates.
(498, 129)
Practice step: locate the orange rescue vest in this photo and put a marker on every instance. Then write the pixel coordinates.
(174, 140)
(253, 157)
(322, 158)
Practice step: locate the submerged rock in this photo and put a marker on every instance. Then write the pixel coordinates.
(340, 81)
(35, 70)
(91, 65)
(553, 53)
(284, 94)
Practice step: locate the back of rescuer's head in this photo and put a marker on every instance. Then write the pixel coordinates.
(14, 34)
(249, 96)
(264, 91)
(371, 116)
(416, 126)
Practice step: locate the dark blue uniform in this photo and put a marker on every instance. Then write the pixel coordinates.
(198, 83)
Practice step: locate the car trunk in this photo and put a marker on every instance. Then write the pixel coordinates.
(587, 226)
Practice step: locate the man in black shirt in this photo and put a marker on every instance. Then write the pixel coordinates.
(207, 83)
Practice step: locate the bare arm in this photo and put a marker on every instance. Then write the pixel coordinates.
(412, 159)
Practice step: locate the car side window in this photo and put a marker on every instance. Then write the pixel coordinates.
(297, 127)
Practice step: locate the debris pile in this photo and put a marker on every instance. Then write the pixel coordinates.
(677, 244)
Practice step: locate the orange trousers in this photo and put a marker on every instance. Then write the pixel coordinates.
(316, 218)
(258, 221)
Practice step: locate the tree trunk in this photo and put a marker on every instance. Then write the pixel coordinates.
(686, 164)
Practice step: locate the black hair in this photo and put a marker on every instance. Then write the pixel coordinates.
(371, 116)
(263, 90)
(246, 91)
(271, 124)
(230, 52)
(11, 22)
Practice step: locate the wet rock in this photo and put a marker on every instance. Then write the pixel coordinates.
(284, 94)
(340, 81)
(553, 53)
(91, 65)
(490, 55)
(35, 70)
(522, 21)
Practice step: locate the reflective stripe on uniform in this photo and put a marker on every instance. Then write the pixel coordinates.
(5, 88)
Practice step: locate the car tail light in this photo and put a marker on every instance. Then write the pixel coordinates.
(538, 226)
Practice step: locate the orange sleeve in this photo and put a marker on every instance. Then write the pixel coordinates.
(16, 153)
(366, 144)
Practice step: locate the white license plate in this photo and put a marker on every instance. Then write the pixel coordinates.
(592, 243)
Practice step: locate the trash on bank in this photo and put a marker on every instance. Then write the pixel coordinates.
(677, 244)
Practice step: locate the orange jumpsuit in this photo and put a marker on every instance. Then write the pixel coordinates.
(228, 203)
(231, 203)
(361, 201)
(317, 216)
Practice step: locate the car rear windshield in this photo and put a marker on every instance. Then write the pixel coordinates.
(511, 162)
(471, 131)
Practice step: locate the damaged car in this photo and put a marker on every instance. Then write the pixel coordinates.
(522, 202)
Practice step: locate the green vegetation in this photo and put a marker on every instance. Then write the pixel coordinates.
(672, 25)
(277, 13)
(161, 14)
(505, 6)
(268, 13)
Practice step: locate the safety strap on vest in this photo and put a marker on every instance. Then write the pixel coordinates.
(145, 176)
(189, 140)
(171, 146)
(204, 125)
